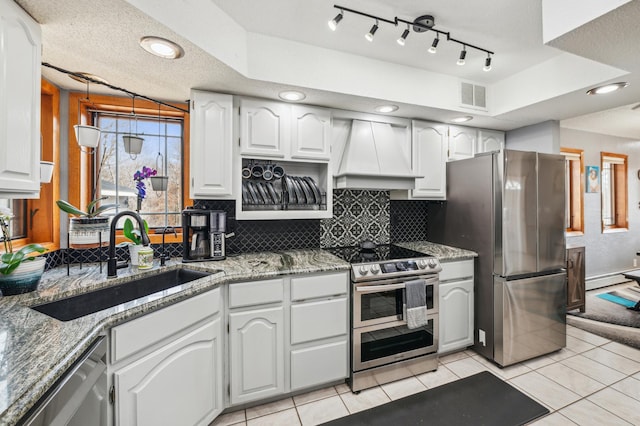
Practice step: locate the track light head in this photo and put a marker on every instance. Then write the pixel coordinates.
(487, 64)
(333, 24)
(372, 32)
(463, 54)
(403, 37)
(434, 45)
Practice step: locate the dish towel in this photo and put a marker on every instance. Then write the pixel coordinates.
(416, 298)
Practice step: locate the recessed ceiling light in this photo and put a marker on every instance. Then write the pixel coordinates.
(292, 95)
(161, 47)
(462, 119)
(386, 108)
(77, 77)
(607, 88)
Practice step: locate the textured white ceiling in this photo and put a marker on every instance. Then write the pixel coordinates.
(101, 37)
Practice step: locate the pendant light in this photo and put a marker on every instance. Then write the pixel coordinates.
(86, 136)
(133, 142)
(159, 182)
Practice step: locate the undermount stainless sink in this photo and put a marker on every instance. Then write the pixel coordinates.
(94, 301)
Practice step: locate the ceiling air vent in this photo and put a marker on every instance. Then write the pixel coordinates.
(473, 95)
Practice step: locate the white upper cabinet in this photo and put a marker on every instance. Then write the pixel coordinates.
(490, 140)
(264, 128)
(429, 145)
(211, 145)
(285, 131)
(20, 53)
(311, 133)
(462, 142)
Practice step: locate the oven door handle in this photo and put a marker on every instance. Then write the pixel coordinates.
(379, 288)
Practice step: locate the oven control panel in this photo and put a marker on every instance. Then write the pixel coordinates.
(394, 268)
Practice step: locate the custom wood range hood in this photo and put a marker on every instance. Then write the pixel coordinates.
(373, 158)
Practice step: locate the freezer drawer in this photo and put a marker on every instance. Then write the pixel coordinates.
(529, 317)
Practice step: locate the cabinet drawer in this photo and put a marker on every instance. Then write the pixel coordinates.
(256, 293)
(318, 286)
(456, 270)
(133, 336)
(319, 364)
(318, 320)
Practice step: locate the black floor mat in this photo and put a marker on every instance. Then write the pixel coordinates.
(481, 399)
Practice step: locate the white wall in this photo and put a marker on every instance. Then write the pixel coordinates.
(612, 252)
(541, 137)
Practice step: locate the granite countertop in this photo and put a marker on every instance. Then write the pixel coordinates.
(35, 350)
(442, 252)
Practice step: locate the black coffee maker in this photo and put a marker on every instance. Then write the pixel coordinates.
(196, 244)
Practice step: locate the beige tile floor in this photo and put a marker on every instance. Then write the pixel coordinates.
(593, 381)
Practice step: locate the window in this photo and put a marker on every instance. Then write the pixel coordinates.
(614, 191)
(574, 196)
(161, 150)
(82, 165)
(18, 224)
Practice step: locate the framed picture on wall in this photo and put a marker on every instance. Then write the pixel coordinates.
(593, 178)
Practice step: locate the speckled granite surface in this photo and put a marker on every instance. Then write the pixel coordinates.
(35, 350)
(442, 252)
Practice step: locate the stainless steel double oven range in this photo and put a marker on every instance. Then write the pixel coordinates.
(383, 348)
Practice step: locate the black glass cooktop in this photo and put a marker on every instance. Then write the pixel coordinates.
(381, 252)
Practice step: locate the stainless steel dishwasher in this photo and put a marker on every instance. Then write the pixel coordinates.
(79, 397)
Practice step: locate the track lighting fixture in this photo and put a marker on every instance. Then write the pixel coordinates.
(404, 36)
(333, 24)
(434, 45)
(421, 24)
(463, 54)
(487, 64)
(372, 32)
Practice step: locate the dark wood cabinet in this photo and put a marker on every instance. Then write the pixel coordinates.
(575, 279)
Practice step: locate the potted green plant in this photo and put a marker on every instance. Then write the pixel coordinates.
(87, 228)
(133, 234)
(19, 272)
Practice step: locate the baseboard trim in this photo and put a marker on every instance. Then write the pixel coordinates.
(600, 281)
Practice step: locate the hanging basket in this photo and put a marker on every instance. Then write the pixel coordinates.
(88, 136)
(46, 171)
(132, 144)
(159, 183)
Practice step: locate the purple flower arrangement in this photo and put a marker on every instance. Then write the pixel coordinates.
(139, 177)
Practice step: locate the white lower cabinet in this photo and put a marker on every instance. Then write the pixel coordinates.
(176, 385)
(456, 298)
(256, 351)
(318, 364)
(298, 339)
(167, 366)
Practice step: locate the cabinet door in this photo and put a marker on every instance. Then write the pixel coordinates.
(310, 132)
(575, 279)
(20, 41)
(180, 384)
(211, 146)
(490, 140)
(264, 128)
(429, 142)
(256, 340)
(319, 364)
(462, 142)
(456, 315)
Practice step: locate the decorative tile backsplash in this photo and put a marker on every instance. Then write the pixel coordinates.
(358, 215)
(408, 220)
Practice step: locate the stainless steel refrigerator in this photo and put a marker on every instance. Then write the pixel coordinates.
(508, 206)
